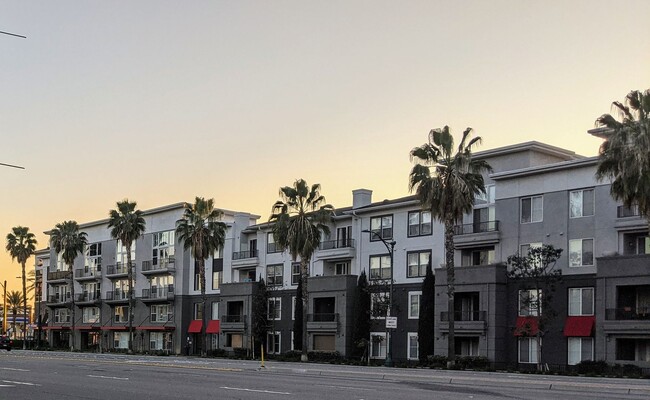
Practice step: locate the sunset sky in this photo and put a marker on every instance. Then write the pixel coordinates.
(160, 101)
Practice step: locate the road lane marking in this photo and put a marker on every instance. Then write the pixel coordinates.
(254, 390)
(108, 377)
(22, 383)
(16, 369)
(346, 387)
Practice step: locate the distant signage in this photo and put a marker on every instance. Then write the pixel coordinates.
(391, 322)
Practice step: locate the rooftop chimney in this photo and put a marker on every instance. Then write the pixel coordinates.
(361, 198)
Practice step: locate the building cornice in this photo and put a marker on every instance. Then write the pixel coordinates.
(542, 169)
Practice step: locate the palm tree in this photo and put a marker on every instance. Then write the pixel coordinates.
(21, 244)
(15, 300)
(201, 231)
(625, 153)
(127, 225)
(446, 183)
(68, 241)
(299, 219)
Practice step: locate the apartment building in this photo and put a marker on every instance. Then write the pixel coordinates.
(537, 194)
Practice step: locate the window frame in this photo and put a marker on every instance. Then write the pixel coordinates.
(417, 293)
(532, 350)
(420, 224)
(274, 269)
(582, 252)
(532, 208)
(582, 203)
(214, 306)
(580, 346)
(537, 310)
(219, 280)
(276, 342)
(376, 234)
(421, 274)
(409, 355)
(381, 268)
(295, 277)
(374, 296)
(277, 309)
(581, 304)
(382, 345)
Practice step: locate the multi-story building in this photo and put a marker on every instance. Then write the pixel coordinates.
(537, 194)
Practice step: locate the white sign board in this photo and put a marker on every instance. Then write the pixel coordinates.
(391, 322)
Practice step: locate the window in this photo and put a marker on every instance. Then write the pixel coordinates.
(198, 311)
(218, 253)
(160, 341)
(417, 263)
(342, 268)
(121, 289)
(61, 315)
(161, 313)
(380, 267)
(479, 256)
(343, 237)
(378, 305)
(234, 340)
(295, 273)
(413, 348)
(121, 340)
(324, 342)
(466, 346)
(532, 209)
(381, 227)
(197, 276)
(215, 310)
(487, 198)
(93, 259)
(419, 223)
(523, 249)
(273, 342)
(530, 303)
(581, 301)
(217, 279)
(121, 314)
(581, 252)
(414, 305)
(163, 248)
(484, 216)
(293, 309)
(580, 349)
(274, 308)
(120, 254)
(271, 246)
(377, 345)
(274, 274)
(528, 350)
(90, 315)
(581, 203)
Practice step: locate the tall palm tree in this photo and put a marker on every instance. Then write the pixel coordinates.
(446, 181)
(625, 153)
(68, 241)
(127, 225)
(299, 219)
(202, 232)
(15, 300)
(21, 244)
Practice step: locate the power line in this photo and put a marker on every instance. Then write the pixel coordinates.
(12, 166)
(13, 34)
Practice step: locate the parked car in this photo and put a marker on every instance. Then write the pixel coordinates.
(6, 343)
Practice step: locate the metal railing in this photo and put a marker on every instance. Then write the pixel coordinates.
(627, 313)
(336, 244)
(87, 273)
(119, 268)
(476, 227)
(273, 248)
(234, 318)
(88, 296)
(159, 264)
(464, 316)
(323, 317)
(624, 212)
(57, 298)
(158, 292)
(240, 255)
(117, 295)
(56, 275)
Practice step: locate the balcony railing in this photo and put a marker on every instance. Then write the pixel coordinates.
(88, 296)
(158, 292)
(624, 212)
(240, 255)
(234, 318)
(336, 244)
(57, 275)
(464, 316)
(323, 317)
(273, 248)
(87, 273)
(58, 298)
(477, 227)
(119, 268)
(627, 313)
(117, 295)
(159, 264)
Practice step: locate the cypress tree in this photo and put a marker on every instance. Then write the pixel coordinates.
(426, 320)
(297, 319)
(260, 317)
(361, 333)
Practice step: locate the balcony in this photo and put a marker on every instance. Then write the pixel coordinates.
(465, 321)
(158, 294)
(335, 249)
(87, 298)
(58, 300)
(625, 212)
(478, 233)
(273, 248)
(117, 296)
(87, 274)
(629, 219)
(118, 270)
(58, 276)
(244, 258)
(627, 314)
(323, 322)
(160, 266)
(233, 323)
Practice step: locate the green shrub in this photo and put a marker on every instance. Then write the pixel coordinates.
(593, 367)
(437, 361)
(472, 362)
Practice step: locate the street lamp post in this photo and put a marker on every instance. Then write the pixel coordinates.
(390, 246)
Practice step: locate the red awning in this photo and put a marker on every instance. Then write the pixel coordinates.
(579, 326)
(527, 326)
(195, 326)
(213, 327)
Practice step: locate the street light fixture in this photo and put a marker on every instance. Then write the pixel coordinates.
(390, 246)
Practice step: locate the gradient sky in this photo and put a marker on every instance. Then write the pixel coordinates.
(159, 101)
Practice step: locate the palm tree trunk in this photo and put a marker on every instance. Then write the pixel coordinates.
(304, 271)
(72, 302)
(131, 289)
(451, 290)
(13, 322)
(204, 336)
(24, 307)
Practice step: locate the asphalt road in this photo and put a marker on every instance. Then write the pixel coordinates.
(52, 376)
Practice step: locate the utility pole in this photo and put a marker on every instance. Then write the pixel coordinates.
(4, 309)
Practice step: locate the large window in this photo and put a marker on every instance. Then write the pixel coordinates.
(581, 252)
(160, 341)
(581, 301)
(419, 223)
(413, 348)
(61, 315)
(580, 349)
(217, 279)
(342, 268)
(532, 209)
(295, 273)
(377, 345)
(120, 253)
(581, 203)
(121, 340)
(163, 248)
(215, 310)
(466, 346)
(380, 267)
(417, 263)
(90, 315)
(273, 342)
(274, 274)
(528, 350)
(530, 303)
(198, 311)
(93, 259)
(271, 246)
(162, 313)
(381, 227)
(121, 289)
(378, 305)
(414, 304)
(478, 256)
(484, 216)
(274, 309)
(121, 314)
